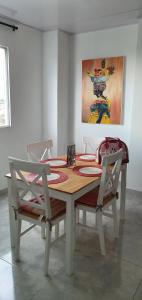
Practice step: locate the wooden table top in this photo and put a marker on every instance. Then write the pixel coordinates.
(74, 183)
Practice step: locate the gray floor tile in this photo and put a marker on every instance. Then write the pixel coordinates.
(14, 284)
(117, 276)
(138, 293)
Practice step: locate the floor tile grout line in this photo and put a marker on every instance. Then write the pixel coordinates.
(113, 254)
(124, 259)
(6, 261)
(130, 262)
(137, 288)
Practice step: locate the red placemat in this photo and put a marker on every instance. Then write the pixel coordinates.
(86, 157)
(55, 162)
(88, 171)
(53, 177)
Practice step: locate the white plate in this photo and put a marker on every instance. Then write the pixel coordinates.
(87, 156)
(53, 176)
(90, 170)
(56, 163)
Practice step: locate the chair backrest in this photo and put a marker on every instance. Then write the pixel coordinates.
(90, 144)
(40, 151)
(111, 165)
(20, 171)
(110, 145)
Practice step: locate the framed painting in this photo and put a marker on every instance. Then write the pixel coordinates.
(102, 90)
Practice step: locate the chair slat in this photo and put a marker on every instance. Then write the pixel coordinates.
(40, 151)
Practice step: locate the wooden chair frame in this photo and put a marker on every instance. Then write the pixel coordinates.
(108, 190)
(90, 144)
(44, 147)
(18, 169)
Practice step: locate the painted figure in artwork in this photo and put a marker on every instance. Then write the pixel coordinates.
(100, 109)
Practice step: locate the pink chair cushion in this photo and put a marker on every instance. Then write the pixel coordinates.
(58, 208)
(90, 199)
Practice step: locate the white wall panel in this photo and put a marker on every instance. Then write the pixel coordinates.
(107, 43)
(25, 49)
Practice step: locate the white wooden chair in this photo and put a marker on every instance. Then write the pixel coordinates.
(111, 145)
(104, 196)
(40, 151)
(90, 144)
(39, 209)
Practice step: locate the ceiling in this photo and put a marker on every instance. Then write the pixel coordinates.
(74, 16)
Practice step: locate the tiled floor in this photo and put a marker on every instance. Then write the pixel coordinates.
(116, 276)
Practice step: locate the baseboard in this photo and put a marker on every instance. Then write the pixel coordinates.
(134, 191)
(3, 191)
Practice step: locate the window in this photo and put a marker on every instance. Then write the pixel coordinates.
(5, 116)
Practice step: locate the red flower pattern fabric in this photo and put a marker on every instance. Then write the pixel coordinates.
(111, 145)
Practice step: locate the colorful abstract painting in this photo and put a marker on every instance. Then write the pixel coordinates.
(102, 90)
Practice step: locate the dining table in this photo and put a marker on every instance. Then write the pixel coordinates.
(69, 191)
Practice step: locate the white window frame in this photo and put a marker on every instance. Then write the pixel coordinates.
(8, 104)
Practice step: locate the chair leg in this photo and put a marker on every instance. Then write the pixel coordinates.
(47, 248)
(42, 232)
(74, 228)
(84, 217)
(64, 225)
(100, 232)
(77, 215)
(56, 231)
(96, 221)
(17, 238)
(115, 219)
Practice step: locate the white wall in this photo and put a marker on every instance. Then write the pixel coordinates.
(135, 168)
(50, 73)
(106, 43)
(63, 91)
(55, 89)
(25, 49)
(60, 115)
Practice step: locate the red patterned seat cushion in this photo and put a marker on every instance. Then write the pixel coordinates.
(111, 145)
(58, 208)
(90, 199)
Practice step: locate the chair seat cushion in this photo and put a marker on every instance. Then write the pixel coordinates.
(58, 208)
(90, 199)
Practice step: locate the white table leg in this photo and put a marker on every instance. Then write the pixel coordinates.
(123, 191)
(11, 215)
(70, 219)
